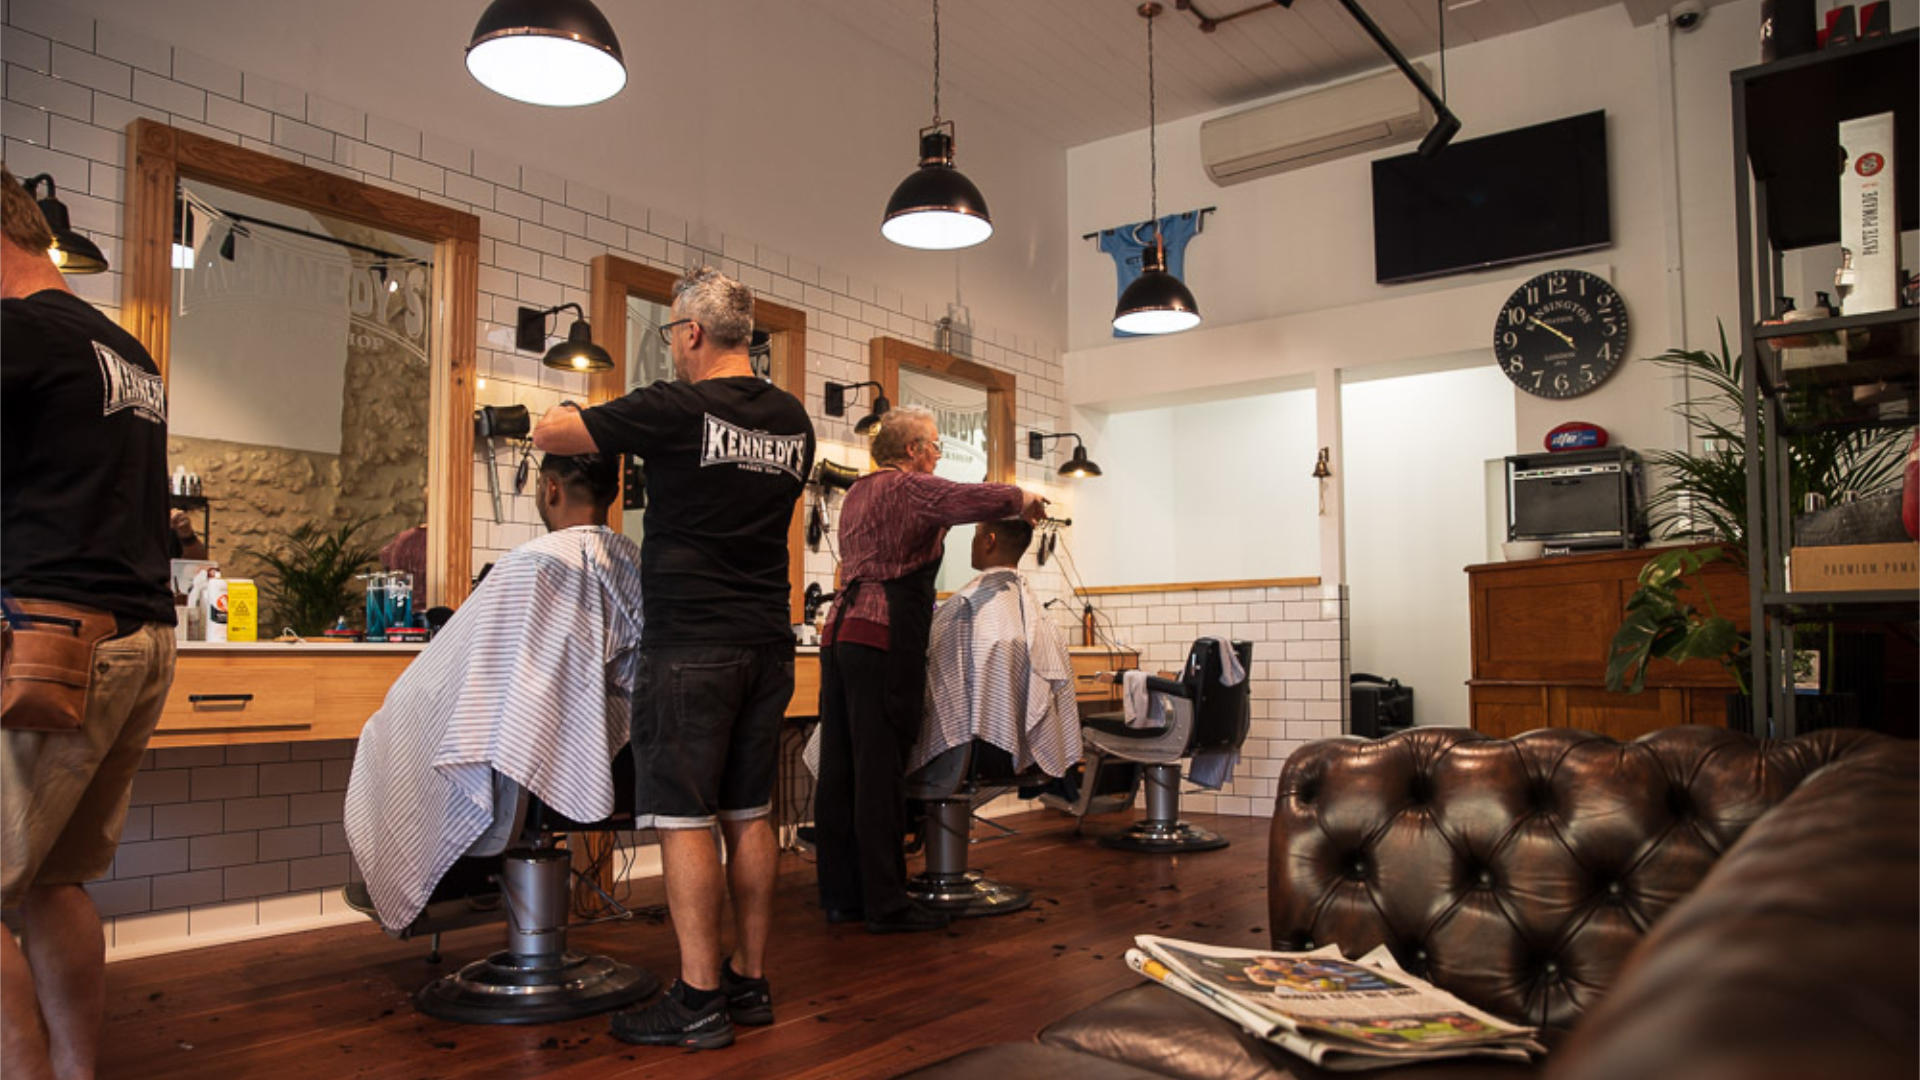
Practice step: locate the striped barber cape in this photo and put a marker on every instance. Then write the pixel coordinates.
(532, 677)
(998, 671)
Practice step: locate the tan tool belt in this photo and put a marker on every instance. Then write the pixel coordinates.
(46, 663)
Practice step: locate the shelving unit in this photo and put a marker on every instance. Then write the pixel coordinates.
(1786, 118)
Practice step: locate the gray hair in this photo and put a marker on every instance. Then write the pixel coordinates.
(899, 426)
(722, 306)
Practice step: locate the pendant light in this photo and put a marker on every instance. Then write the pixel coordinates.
(936, 208)
(1156, 302)
(547, 52)
(71, 252)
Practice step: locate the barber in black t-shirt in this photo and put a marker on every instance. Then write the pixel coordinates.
(83, 554)
(727, 454)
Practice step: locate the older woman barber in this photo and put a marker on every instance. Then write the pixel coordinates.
(893, 530)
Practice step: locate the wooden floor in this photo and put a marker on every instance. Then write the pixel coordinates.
(333, 1003)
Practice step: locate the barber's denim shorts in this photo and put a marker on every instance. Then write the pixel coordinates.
(706, 732)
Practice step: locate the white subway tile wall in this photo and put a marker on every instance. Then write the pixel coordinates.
(227, 841)
(1298, 681)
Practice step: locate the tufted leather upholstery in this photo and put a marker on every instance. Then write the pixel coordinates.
(1517, 873)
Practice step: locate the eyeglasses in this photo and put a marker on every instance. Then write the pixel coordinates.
(666, 330)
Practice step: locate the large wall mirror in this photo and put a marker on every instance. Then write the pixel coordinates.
(317, 337)
(972, 405)
(630, 304)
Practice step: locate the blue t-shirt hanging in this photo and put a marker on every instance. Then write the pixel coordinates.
(1127, 242)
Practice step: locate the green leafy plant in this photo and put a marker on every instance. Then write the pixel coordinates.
(309, 572)
(1704, 494)
(1661, 624)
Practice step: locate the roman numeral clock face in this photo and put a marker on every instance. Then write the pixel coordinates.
(1561, 334)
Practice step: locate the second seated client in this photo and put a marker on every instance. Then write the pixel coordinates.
(873, 664)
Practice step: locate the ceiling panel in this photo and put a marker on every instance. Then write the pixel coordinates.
(1075, 70)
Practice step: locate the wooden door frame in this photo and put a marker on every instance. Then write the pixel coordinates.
(161, 156)
(887, 355)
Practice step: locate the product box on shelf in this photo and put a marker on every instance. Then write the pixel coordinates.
(1869, 213)
(1850, 567)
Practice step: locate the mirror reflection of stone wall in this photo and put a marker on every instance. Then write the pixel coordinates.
(960, 410)
(299, 384)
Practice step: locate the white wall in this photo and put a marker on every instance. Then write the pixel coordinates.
(1214, 491)
(1416, 514)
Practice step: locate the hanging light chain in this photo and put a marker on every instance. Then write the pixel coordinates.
(1153, 145)
(936, 62)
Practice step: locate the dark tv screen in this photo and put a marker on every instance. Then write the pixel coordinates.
(1523, 194)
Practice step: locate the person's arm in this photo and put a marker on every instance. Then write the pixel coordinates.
(561, 430)
(191, 546)
(949, 502)
(633, 424)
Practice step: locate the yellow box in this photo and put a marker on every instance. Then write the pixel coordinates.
(243, 610)
(1848, 567)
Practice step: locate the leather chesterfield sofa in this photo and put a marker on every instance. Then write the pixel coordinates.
(1696, 904)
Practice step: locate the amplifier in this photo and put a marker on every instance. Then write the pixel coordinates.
(1576, 500)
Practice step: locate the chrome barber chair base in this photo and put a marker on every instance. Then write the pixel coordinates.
(509, 989)
(968, 895)
(1163, 837)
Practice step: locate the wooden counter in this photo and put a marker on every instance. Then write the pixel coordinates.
(272, 692)
(1541, 633)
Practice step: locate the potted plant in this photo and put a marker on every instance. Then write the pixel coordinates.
(1703, 496)
(1661, 624)
(309, 571)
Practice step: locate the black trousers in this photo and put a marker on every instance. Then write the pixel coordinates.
(870, 707)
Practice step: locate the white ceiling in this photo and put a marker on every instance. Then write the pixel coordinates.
(1075, 70)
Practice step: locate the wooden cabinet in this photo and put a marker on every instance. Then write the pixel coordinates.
(276, 693)
(1541, 632)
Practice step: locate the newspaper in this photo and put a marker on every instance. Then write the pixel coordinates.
(1339, 1014)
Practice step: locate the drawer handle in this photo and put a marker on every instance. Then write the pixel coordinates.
(218, 699)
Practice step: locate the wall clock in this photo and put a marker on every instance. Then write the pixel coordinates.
(1561, 334)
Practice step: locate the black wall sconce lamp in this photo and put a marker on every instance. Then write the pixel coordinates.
(1077, 466)
(836, 402)
(71, 252)
(577, 353)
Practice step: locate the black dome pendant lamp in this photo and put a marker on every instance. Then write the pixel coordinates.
(547, 52)
(1156, 302)
(936, 208)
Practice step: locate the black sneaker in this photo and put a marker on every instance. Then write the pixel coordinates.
(749, 1001)
(668, 1021)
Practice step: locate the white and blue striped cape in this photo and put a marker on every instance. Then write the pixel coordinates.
(533, 677)
(998, 671)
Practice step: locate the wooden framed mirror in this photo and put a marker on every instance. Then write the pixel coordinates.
(630, 299)
(973, 408)
(443, 314)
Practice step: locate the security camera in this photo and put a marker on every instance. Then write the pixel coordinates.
(1687, 15)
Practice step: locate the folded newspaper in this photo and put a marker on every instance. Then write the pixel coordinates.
(1337, 1013)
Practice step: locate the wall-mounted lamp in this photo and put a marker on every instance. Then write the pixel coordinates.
(547, 52)
(71, 252)
(836, 402)
(577, 353)
(1076, 466)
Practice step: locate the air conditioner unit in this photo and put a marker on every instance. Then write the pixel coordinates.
(1320, 125)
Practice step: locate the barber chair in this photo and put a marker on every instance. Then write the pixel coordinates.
(535, 979)
(951, 785)
(1201, 716)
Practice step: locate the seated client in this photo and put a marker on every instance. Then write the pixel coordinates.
(533, 678)
(996, 667)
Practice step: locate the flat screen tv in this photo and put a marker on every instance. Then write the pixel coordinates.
(1524, 194)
